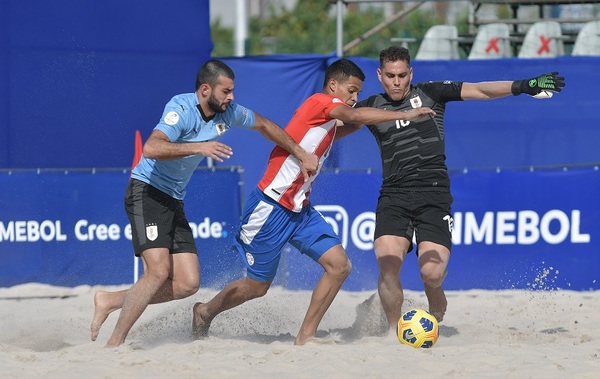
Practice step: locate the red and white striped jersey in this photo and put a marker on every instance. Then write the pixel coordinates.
(313, 129)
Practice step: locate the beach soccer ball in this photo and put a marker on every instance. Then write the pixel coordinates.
(418, 328)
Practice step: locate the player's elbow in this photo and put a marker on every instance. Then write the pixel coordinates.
(150, 151)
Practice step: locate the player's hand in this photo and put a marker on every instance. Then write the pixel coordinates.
(215, 150)
(417, 113)
(534, 86)
(309, 163)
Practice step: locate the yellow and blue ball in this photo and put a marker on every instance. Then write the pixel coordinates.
(418, 328)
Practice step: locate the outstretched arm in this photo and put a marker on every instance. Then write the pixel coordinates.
(485, 90)
(308, 161)
(364, 115)
(370, 116)
(493, 90)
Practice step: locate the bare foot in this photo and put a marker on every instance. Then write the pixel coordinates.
(437, 302)
(101, 312)
(329, 340)
(392, 332)
(303, 339)
(111, 344)
(199, 324)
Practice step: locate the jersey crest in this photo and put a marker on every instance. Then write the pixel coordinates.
(416, 102)
(221, 128)
(151, 232)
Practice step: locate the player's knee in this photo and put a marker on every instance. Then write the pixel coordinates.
(342, 269)
(256, 290)
(260, 292)
(339, 267)
(389, 265)
(433, 275)
(347, 268)
(187, 289)
(158, 273)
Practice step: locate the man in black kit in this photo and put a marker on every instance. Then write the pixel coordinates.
(415, 195)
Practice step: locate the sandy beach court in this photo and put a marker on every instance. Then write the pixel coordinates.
(44, 332)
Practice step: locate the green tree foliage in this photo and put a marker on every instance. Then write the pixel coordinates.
(305, 29)
(310, 27)
(413, 25)
(222, 37)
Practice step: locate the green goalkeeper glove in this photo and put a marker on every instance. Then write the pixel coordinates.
(546, 82)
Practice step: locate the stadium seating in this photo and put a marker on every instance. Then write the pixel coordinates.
(588, 40)
(492, 41)
(439, 42)
(544, 39)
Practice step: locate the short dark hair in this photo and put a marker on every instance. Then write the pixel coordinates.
(341, 70)
(394, 54)
(210, 71)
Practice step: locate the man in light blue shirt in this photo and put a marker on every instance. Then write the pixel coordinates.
(187, 132)
(183, 121)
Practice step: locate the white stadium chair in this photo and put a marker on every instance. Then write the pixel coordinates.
(440, 42)
(588, 40)
(543, 39)
(491, 42)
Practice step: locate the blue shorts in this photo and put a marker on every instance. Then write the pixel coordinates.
(267, 226)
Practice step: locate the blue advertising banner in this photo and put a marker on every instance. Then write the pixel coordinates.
(69, 228)
(525, 229)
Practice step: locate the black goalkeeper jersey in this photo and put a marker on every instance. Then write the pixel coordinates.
(413, 152)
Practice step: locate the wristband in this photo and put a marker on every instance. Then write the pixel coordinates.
(515, 88)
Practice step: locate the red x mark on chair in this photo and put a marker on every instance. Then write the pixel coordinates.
(545, 47)
(493, 45)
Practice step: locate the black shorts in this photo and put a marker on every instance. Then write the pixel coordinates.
(426, 213)
(157, 220)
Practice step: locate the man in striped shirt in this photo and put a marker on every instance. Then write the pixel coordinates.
(278, 211)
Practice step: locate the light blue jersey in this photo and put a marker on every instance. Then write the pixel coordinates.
(182, 122)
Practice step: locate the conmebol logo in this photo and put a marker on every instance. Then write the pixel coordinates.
(524, 227)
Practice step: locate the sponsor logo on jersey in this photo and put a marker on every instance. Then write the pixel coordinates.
(171, 118)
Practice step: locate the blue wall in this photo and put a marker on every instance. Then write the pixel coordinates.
(78, 78)
(509, 132)
(4, 98)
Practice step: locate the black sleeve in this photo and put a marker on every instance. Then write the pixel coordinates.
(443, 92)
(364, 103)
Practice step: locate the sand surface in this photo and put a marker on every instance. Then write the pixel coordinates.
(44, 332)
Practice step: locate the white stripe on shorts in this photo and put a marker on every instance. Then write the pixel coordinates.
(257, 219)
